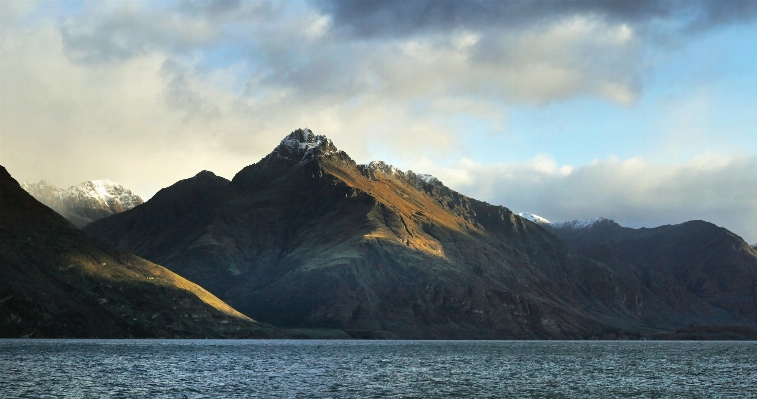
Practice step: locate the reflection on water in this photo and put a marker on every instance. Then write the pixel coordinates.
(380, 369)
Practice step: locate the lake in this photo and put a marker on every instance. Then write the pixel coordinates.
(376, 369)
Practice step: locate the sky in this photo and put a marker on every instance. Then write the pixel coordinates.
(641, 111)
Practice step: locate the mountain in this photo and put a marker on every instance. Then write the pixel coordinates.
(577, 224)
(308, 238)
(710, 262)
(572, 225)
(534, 218)
(55, 281)
(89, 201)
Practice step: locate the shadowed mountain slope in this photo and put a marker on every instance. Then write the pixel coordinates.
(308, 238)
(55, 281)
(707, 261)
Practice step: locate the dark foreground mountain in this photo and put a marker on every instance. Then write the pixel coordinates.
(86, 202)
(55, 281)
(708, 261)
(308, 238)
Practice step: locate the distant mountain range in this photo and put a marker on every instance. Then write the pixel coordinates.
(55, 281)
(86, 202)
(307, 238)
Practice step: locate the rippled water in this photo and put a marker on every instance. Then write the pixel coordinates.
(377, 369)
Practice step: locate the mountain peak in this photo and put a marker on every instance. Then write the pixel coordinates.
(534, 218)
(104, 191)
(204, 174)
(86, 202)
(578, 224)
(303, 145)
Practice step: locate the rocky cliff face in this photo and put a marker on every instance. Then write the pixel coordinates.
(87, 202)
(55, 281)
(308, 238)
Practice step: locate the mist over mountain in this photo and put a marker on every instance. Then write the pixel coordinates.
(55, 281)
(86, 202)
(308, 238)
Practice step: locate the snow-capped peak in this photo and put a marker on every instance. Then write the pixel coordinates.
(302, 139)
(302, 145)
(104, 191)
(578, 224)
(103, 188)
(534, 218)
(86, 202)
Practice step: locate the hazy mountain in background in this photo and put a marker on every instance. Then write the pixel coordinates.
(308, 238)
(86, 202)
(55, 281)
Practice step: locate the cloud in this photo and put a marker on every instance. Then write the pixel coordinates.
(635, 193)
(408, 18)
(115, 31)
(155, 117)
(121, 89)
(147, 93)
(302, 52)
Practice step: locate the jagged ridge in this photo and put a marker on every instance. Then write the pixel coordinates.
(308, 238)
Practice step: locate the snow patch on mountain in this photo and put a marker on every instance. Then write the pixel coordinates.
(428, 178)
(106, 193)
(571, 225)
(303, 145)
(534, 218)
(578, 224)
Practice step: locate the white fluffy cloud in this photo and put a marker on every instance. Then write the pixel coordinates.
(633, 192)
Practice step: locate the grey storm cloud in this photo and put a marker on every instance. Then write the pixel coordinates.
(400, 17)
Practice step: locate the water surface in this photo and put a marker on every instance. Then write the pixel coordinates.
(376, 369)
